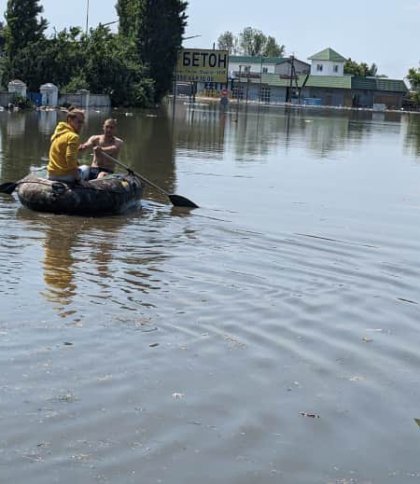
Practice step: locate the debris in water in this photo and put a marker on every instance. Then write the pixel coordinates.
(311, 415)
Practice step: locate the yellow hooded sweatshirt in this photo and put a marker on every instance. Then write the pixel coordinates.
(63, 151)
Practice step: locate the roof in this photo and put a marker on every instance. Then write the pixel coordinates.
(379, 84)
(16, 82)
(328, 54)
(394, 85)
(332, 82)
(336, 82)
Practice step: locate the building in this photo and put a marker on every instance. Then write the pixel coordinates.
(322, 83)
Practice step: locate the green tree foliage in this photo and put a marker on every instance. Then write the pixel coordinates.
(134, 67)
(24, 25)
(50, 60)
(228, 41)
(2, 38)
(250, 42)
(272, 48)
(112, 68)
(362, 69)
(129, 17)
(413, 78)
(157, 28)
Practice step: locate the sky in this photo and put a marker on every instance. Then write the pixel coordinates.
(384, 32)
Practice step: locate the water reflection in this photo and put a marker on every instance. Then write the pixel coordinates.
(251, 131)
(149, 148)
(200, 128)
(58, 267)
(69, 242)
(154, 139)
(47, 120)
(412, 138)
(23, 144)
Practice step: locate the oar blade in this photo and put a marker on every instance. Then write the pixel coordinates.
(8, 187)
(180, 201)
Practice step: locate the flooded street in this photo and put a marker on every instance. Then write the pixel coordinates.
(269, 336)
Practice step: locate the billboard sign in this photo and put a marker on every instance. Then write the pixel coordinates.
(203, 65)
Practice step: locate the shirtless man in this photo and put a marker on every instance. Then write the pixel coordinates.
(103, 143)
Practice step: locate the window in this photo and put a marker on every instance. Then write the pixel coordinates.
(265, 94)
(265, 70)
(336, 68)
(319, 67)
(238, 92)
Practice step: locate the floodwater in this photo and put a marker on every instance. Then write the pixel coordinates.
(270, 336)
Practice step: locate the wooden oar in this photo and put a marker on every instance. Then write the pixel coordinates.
(177, 200)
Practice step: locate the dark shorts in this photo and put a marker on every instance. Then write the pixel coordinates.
(94, 172)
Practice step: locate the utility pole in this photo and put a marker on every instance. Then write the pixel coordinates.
(237, 93)
(87, 17)
(248, 68)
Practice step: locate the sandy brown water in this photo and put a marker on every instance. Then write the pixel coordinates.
(270, 336)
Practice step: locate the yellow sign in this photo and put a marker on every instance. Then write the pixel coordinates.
(204, 65)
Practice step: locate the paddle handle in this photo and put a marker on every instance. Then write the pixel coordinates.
(137, 174)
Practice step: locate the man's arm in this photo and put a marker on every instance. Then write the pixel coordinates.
(111, 150)
(90, 143)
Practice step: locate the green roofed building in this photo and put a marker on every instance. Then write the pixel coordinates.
(322, 82)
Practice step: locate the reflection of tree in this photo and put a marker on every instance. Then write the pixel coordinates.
(148, 147)
(200, 128)
(412, 137)
(22, 146)
(325, 135)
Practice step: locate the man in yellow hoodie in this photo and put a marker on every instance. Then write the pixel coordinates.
(62, 162)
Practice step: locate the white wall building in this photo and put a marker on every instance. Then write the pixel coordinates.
(328, 62)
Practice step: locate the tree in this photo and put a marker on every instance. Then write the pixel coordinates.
(228, 41)
(50, 60)
(128, 12)
(23, 25)
(2, 38)
(112, 68)
(362, 69)
(413, 77)
(272, 48)
(157, 28)
(252, 41)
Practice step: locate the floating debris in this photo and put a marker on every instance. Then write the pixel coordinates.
(403, 299)
(311, 415)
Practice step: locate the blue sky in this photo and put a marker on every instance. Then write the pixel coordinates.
(386, 32)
